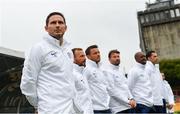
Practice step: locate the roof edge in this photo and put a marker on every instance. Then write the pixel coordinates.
(11, 52)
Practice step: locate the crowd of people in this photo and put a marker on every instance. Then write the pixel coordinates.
(60, 80)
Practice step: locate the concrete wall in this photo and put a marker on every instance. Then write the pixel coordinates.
(164, 39)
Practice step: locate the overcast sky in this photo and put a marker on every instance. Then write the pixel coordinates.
(111, 24)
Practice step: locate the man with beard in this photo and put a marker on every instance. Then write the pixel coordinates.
(121, 100)
(83, 98)
(47, 79)
(140, 85)
(97, 81)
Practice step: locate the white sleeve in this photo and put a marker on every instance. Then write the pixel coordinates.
(113, 90)
(164, 92)
(118, 96)
(163, 88)
(87, 74)
(130, 95)
(170, 94)
(110, 82)
(131, 80)
(148, 71)
(77, 98)
(31, 69)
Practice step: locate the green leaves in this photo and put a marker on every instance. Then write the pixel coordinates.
(171, 69)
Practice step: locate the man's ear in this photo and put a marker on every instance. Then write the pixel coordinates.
(46, 28)
(65, 27)
(88, 56)
(149, 58)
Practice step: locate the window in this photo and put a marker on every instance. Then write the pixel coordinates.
(177, 12)
(172, 13)
(167, 14)
(151, 17)
(146, 18)
(142, 19)
(162, 16)
(157, 16)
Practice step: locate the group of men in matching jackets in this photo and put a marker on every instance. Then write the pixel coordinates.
(54, 84)
(104, 88)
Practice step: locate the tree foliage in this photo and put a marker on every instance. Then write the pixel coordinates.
(171, 69)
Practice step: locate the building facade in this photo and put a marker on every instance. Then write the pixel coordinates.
(159, 28)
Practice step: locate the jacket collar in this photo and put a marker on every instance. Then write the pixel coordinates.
(92, 63)
(114, 67)
(78, 68)
(151, 65)
(140, 65)
(56, 42)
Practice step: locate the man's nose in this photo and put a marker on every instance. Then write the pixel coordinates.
(117, 59)
(57, 24)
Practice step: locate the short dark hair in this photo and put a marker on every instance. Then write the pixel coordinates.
(149, 53)
(55, 13)
(76, 49)
(113, 51)
(87, 51)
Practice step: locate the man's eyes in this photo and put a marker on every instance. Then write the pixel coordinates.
(55, 22)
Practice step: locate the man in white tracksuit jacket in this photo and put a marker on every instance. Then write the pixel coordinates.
(169, 95)
(156, 81)
(97, 81)
(83, 98)
(47, 79)
(140, 85)
(121, 100)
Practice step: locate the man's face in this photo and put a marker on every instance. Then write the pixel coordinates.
(141, 58)
(56, 26)
(115, 59)
(153, 58)
(94, 55)
(79, 57)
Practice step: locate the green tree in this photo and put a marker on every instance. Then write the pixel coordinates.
(171, 68)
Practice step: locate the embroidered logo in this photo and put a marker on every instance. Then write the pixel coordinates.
(53, 53)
